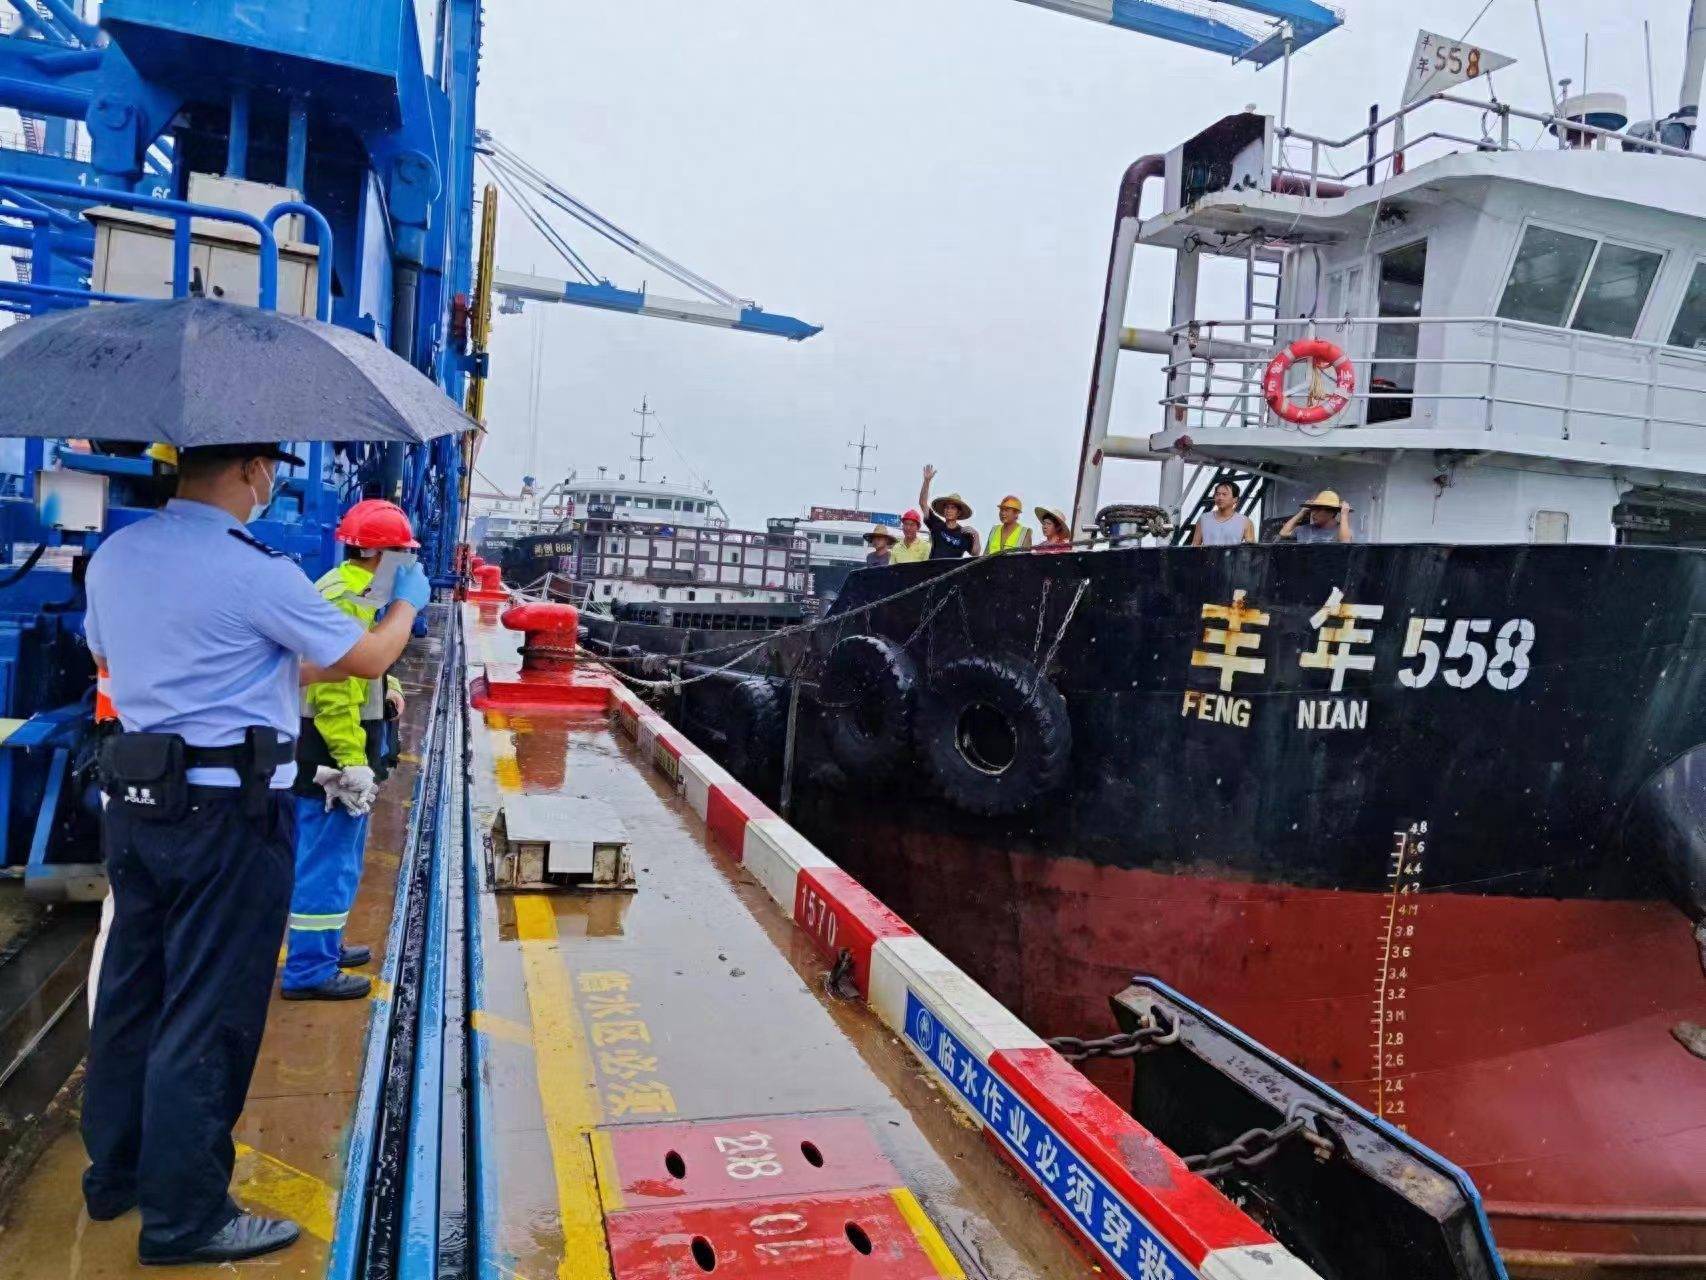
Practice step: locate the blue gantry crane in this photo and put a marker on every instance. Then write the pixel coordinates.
(194, 146)
(538, 197)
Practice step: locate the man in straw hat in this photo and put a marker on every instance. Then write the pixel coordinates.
(949, 537)
(1324, 518)
(881, 540)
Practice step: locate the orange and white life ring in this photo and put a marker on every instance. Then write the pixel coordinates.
(1321, 354)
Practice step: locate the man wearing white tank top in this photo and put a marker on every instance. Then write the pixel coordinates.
(1225, 526)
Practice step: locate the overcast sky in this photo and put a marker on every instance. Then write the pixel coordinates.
(930, 180)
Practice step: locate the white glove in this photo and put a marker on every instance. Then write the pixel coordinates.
(354, 788)
(325, 777)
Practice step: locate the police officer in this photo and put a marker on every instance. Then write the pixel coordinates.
(343, 755)
(206, 634)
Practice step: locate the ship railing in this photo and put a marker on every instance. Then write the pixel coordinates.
(699, 556)
(1475, 372)
(1387, 143)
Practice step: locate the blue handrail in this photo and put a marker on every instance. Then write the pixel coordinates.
(322, 238)
(182, 211)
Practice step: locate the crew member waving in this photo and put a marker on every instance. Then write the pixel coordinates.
(344, 753)
(203, 629)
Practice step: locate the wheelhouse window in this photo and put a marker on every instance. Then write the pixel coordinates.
(1579, 282)
(1690, 327)
(1617, 289)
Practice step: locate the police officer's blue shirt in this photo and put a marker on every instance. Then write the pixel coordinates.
(201, 630)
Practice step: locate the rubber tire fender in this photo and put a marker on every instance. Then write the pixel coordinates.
(871, 738)
(1034, 712)
(755, 724)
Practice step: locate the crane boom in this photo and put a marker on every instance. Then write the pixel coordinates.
(640, 302)
(539, 198)
(1246, 30)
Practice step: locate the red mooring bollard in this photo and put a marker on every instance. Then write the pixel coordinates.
(489, 583)
(551, 633)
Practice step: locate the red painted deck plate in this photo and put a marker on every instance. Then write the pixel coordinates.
(851, 1236)
(773, 1157)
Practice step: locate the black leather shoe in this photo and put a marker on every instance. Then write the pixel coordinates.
(245, 1236)
(354, 957)
(340, 986)
(106, 1211)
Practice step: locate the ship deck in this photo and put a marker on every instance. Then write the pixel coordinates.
(669, 1081)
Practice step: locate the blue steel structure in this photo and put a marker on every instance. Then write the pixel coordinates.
(367, 110)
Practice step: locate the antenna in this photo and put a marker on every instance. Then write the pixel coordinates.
(1546, 59)
(1652, 96)
(859, 487)
(642, 435)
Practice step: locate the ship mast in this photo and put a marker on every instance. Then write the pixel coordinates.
(1693, 70)
(644, 434)
(859, 488)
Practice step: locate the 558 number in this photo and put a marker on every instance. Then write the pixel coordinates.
(1470, 654)
(1457, 59)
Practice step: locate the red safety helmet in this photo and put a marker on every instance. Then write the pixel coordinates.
(376, 525)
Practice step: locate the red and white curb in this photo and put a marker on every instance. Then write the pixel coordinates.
(1122, 1191)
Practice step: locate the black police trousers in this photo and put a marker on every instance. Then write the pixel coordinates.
(199, 909)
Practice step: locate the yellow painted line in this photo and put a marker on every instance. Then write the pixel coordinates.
(408, 757)
(498, 1027)
(272, 1184)
(567, 1089)
(381, 990)
(929, 1239)
(609, 1184)
(509, 773)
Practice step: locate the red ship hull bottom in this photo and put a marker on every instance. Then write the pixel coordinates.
(1529, 1040)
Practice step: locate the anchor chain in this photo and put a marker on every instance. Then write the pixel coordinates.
(1255, 1147)
(1154, 1033)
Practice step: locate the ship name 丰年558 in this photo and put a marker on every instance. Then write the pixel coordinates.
(1458, 653)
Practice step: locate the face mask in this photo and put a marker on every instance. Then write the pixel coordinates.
(260, 507)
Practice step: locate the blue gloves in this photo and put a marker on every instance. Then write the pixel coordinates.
(412, 586)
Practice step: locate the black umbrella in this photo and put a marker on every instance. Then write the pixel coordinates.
(196, 372)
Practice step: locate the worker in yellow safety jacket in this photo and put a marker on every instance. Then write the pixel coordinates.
(346, 749)
(1009, 535)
